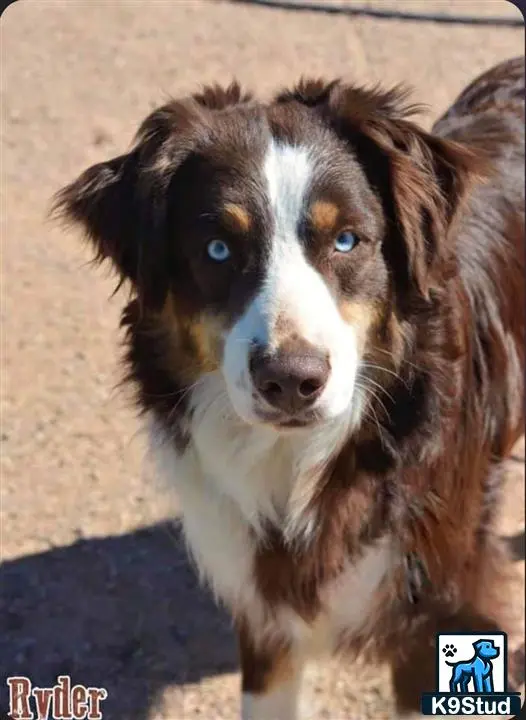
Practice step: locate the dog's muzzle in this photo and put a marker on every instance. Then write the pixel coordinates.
(289, 381)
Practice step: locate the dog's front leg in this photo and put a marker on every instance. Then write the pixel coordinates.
(270, 679)
(478, 682)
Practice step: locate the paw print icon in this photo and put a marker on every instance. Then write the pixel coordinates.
(449, 650)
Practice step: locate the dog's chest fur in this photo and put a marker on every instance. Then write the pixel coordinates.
(233, 482)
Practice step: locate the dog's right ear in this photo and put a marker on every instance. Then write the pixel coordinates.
(103, 202)
(121, 203)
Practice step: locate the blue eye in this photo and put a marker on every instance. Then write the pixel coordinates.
(345, 242)
(218, 251)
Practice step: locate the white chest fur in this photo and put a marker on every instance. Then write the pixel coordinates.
(231, 478)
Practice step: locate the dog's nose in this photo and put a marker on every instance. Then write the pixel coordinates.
(289, 380)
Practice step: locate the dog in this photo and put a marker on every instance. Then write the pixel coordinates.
(326, 340)
(479, 669)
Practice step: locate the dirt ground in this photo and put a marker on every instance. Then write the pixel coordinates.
(95, 583)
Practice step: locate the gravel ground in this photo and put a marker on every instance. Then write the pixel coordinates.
(95, 583)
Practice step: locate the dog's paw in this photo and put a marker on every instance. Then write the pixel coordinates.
(449, 650)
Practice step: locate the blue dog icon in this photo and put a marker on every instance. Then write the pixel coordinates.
(479, 669)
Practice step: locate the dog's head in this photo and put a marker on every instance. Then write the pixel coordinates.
(486, 649)
(281, 244)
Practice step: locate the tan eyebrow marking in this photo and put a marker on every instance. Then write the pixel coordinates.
(324, 215)
(237, 216)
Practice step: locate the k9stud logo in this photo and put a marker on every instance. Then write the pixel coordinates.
(471, 676)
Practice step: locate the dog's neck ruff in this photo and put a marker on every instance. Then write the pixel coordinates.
(270, 476)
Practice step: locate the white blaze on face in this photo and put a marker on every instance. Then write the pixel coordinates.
(293, 291)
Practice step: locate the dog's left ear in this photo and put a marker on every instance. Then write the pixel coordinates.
(429, 180)
(422, 179)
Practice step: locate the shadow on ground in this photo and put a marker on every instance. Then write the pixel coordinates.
(125, 613)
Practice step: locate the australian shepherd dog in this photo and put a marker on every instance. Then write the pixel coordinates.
(326, 337)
